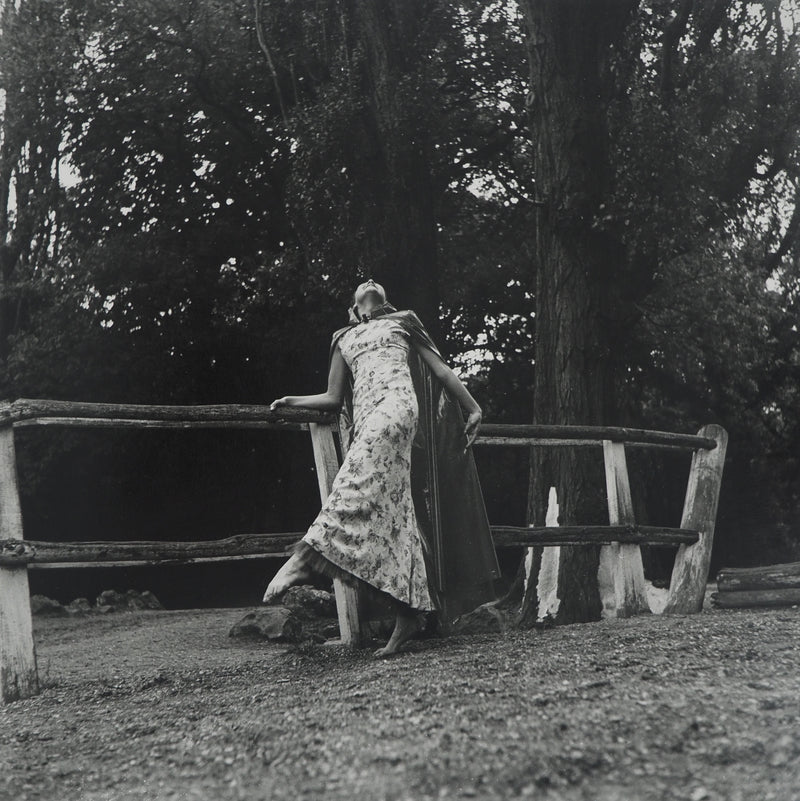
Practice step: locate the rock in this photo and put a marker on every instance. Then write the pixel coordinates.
(331, 631)
(142, 600)
(271, 623)
(115, 601)
(150, 601)
(313, 602)
(486, 619)
(79, 606)
(42, 605)
(111, 599)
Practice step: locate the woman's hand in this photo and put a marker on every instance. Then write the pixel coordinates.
(471, 428)
(284, 401)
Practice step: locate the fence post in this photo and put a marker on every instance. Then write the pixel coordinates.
(620, 574)
(18, 675)
(327, 462)
(690, 572)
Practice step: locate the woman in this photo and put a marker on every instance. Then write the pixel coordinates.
(405, 514)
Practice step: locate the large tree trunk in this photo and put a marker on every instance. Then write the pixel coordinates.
(570, 46)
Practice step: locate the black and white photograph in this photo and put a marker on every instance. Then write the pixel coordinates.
(399, 400)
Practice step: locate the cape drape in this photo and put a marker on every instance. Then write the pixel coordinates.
(461, 562)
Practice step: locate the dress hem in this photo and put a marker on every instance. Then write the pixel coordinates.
(321, 564)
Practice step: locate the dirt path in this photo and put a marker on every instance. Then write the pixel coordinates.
(164, 705)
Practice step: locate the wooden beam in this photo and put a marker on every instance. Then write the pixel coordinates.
(102, 552)
(541, 442)
(596, 434)
(113, 422)
(110, 553)
(750, 598)
(526, 442)
(222, 414)
(620, 573)
(690, 572)
(347, 596)
(41, 411)
(158, 562)
(18, 675)
(521, 536)
(766, 577)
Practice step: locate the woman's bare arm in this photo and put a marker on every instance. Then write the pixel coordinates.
(457, 388)
(331, 399)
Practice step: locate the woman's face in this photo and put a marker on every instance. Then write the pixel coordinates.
(369, 295)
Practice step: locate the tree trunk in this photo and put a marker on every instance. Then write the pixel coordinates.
(570, 46)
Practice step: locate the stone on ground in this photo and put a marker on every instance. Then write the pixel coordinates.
(42, 605)
(79, 606)
(310, 600)
(116, 601)
(272, 623)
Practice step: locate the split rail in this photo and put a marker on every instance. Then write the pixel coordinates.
(620, 540)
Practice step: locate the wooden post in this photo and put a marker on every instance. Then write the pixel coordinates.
(690, 572)
(620, 574)
(327, 462)
(18, 675)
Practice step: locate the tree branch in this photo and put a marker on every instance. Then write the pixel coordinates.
(672, 35)
(262, 43)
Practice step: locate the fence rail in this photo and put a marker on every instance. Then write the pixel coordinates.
(108, 553)
(590, 435)
(618, 542)
(36, 411)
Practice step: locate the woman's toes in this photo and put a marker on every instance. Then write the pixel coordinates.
(275, 588)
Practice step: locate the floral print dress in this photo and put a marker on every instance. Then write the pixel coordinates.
(367, 526)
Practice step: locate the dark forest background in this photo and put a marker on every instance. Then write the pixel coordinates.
(190, 192)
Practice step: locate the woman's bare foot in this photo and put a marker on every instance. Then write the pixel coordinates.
(405, 627)
(293, 572)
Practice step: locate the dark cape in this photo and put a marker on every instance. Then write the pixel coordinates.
(461, 562)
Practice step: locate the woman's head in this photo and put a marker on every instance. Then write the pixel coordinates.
(367, 296)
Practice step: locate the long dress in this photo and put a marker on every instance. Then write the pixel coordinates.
(367, 526)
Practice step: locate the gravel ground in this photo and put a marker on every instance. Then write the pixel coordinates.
(164, 705)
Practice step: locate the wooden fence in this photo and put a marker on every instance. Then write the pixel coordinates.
(620, 540)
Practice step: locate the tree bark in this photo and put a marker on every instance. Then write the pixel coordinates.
(570, 46)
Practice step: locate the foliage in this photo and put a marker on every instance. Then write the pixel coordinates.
(187, 199)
